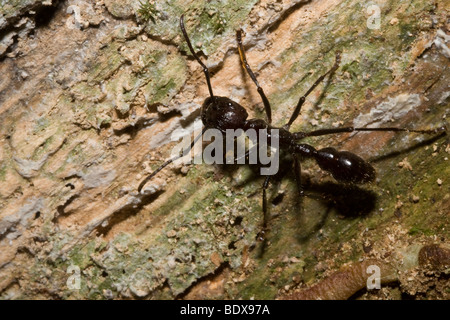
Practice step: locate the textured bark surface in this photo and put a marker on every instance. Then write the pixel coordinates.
(91, 94)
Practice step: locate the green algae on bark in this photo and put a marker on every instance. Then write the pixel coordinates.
(214, 21)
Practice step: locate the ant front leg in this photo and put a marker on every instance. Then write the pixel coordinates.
(252, 76)
(165, 164)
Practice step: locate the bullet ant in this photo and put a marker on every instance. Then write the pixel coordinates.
(223, 113)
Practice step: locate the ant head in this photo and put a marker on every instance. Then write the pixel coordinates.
(223, 113)
(217, 112)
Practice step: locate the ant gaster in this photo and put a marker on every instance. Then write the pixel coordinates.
(223, 113)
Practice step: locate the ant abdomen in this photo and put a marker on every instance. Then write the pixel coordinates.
(345, 166)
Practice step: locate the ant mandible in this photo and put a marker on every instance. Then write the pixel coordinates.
(223, 113)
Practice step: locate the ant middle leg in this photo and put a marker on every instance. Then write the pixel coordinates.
(253, 77)
(298, 172)
(260, 235)
(315, 84)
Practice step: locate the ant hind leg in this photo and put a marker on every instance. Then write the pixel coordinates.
(323, 132)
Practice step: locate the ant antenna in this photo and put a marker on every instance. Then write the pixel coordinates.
(205, 69)
(246, 66)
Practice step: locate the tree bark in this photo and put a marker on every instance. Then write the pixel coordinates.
(91, 95)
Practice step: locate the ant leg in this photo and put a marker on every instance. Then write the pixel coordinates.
(252, 76)
(322, 132)
(303, 98)
(245, 156)
(252, 150)
(205, 69)
(297, 171)
(260, 235)
(165, 164)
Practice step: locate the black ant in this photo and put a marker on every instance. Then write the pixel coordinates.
(223, 113)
